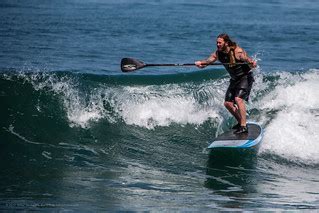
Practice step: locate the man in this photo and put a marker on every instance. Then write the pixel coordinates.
(239, 65)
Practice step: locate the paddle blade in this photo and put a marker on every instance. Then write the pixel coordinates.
(130, 64)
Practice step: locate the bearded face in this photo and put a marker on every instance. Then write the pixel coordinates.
(221, 44)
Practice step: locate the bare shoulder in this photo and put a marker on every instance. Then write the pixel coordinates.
(240, 53)
(239, 50)
(215, 54)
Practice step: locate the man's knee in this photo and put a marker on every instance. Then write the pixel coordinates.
(228, 104)
(239, 100)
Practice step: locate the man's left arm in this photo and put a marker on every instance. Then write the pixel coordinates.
(242, 55)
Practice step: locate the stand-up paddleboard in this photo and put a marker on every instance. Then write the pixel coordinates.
(229, 140)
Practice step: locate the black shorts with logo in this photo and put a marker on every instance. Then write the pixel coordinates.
(240, 88)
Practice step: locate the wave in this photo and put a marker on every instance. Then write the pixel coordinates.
(284, 103)
(291, 130)
(146, 101)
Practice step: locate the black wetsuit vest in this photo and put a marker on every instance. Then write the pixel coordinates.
(236, 71)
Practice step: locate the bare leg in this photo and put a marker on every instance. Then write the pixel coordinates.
(241, 110)
(233, 110)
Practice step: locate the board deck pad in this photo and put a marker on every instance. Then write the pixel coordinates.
(231, 140)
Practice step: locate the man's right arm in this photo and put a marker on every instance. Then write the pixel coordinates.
(210, 60)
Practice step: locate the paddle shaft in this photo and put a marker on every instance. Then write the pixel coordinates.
(168, 65)
(192, 64)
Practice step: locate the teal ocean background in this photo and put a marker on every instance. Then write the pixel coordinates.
(77, 134)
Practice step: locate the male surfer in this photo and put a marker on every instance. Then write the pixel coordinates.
(239, 65)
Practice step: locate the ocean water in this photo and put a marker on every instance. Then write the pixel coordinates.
(77, 134)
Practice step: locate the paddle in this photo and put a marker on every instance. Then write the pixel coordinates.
(131, 64)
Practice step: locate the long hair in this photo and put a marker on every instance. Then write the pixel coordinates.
(232, 45)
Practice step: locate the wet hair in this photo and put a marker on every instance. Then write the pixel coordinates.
(232, 46)
(227, 40)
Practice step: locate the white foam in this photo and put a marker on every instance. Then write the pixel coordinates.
(163, 105)
(293, 133)
(80, 109)
(164, 111)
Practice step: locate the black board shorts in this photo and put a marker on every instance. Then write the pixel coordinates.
(239, 88)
